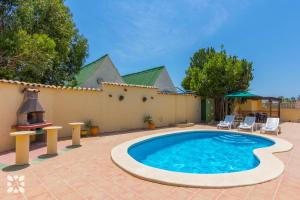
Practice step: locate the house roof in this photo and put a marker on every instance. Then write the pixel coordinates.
(147, 77)
(87, 70)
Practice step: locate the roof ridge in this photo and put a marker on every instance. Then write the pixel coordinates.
(42, 85)
(105, 55)
(129, 85)
(153, 68)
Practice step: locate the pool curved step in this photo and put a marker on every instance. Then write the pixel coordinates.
(238, 139)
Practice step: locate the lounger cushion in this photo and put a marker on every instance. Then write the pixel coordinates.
(245, 126)
(224, 124)
(271, 125)
(268, 129)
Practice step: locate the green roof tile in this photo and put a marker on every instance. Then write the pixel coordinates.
(147, 77)
(87, 70)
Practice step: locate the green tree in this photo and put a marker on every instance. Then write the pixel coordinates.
(293, 99)
(282, 98)
(39, 42)
(213, 74)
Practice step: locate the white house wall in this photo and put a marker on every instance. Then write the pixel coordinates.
(164, 82)
(106, 72)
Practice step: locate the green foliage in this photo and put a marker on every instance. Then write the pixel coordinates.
(39, 42)
(88, 124)
(281, 97)
(289, 100)
(214, 74)
(38, 53)
(148, 119)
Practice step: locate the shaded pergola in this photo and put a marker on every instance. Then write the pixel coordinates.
(245, 95)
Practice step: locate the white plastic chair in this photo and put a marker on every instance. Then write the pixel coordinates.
(227, 123)
(248, 123)
(272, 125)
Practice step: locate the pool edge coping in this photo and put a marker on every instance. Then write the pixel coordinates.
(270, 166)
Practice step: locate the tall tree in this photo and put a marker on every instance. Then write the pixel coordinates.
(213, 74)
(39, 42)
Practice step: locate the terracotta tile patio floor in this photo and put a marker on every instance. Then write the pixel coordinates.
(88, 173)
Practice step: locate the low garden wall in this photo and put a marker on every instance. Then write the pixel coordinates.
(102, 106)
(290, 115)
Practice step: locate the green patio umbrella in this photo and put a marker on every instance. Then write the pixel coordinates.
(243, 94)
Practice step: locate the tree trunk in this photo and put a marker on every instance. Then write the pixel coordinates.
(219, 108)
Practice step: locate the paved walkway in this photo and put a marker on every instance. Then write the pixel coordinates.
(88, 173)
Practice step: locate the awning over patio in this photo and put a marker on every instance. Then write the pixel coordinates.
(243, 94)
(251, 96)
(248, 95)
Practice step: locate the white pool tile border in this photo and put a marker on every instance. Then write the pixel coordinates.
(270, 166)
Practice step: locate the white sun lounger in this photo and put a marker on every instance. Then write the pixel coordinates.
(248, 124)
(272, 125)
(227, 123)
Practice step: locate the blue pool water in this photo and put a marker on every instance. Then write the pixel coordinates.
(203, 152)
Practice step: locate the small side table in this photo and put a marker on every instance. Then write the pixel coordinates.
(76, 126)
(52, 139)
(22, 146)
(258, 126)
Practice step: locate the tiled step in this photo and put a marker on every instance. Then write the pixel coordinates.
(234, 139)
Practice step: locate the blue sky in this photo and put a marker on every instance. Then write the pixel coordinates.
(143, 34)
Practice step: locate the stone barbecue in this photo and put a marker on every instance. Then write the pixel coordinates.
(30, 114)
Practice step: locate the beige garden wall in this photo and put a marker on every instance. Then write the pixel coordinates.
(290, 115)
(102, 107)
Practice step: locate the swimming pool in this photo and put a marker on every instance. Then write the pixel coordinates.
(204, 152)
(202, 158)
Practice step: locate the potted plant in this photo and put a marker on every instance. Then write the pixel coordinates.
(148, 119)
(85, 130)
(93, 129)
